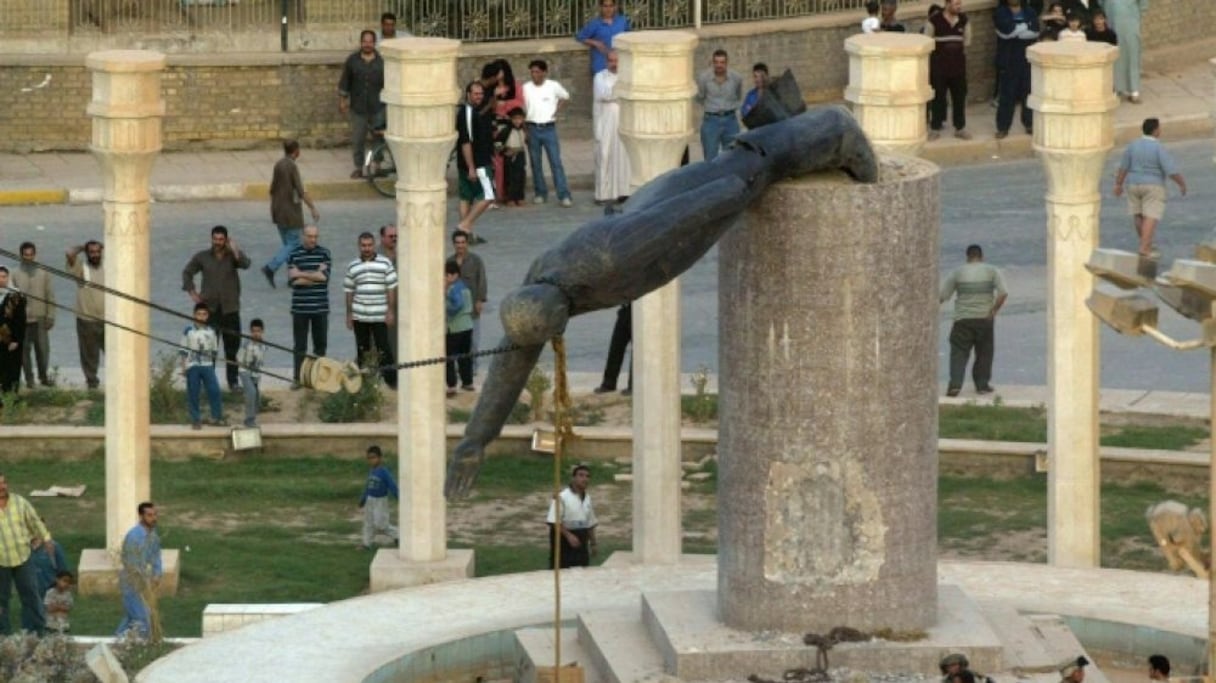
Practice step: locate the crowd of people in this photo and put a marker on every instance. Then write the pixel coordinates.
(1018, 25)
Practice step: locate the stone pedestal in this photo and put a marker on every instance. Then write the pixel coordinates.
(888, 87)
(127, 108)
(421, 93)
(828, 430)
(1072, 95)
(656, 89)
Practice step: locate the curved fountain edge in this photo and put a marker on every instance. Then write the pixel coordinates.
(350, 640)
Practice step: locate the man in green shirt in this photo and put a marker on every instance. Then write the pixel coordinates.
(980, 291)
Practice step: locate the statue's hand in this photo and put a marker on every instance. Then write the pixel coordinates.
(463, 468)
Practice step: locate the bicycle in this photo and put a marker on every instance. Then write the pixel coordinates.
(379, 167)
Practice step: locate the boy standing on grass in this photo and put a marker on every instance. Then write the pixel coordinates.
(374, 503)
(250, 358)
(58, 603)
(200, 346)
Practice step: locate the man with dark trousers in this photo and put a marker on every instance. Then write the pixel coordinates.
(622, 335)
(575, 523)
(951, 34)
(980, 290)
(1017, 28)
(221, 291)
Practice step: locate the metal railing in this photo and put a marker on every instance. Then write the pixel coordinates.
(467, 20)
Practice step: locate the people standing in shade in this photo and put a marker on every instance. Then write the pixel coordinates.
(979, 291)
(720, 93)
(359, 95)
(474, 157)
(888, 20)
(622, 335)
(1125, 17)
(287, 194)
(458, 306)
(140, 572)
(503, 95)
(21, 529)
(374, 502)
(1083, 10)
(388, 28)
(370, 287)
(611, 160)
(576, 524)
(90, 307)
(199, 348)
(252, 357)
(473, 274)
(1100, 31)
(514, 141)
(1017, 28)
(35, 283)
(388, 249)
(598, 33)
(12, 334)
(543, 99)
(760, 83)
(221, 291)
(951, 32)
(872, 23)
(1143, 169)
(308, 270)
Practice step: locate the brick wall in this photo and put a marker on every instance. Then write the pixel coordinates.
(234, 101)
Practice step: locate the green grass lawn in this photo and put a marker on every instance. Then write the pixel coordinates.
(285, 530)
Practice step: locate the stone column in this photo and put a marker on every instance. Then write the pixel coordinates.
(421, 93)
(888, 87)
(656, 89)
(1072, 94)
(827, 473)
(1212, 63)
(127, 108)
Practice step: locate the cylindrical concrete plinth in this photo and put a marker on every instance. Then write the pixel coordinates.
(828, 463)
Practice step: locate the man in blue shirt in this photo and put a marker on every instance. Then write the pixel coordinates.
(140, 573)
(1144, 167)
(599, 32)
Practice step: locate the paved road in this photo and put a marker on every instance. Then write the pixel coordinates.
(998, 205)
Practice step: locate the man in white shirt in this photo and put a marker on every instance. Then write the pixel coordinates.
(370, 287)
(543, 99)
(578, 521)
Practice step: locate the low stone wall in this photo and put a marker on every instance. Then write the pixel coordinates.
(241, 100)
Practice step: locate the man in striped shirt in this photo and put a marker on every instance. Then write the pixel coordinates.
(308, 270)
(20, 529)
(371, 301)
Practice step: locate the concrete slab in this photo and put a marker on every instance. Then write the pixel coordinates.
(97, 573)
(389, 571)
(696, 646)
(1034, 644)
(619, 644)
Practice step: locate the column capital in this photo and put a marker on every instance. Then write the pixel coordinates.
(888, 87)
(414, 66)
(656, 88)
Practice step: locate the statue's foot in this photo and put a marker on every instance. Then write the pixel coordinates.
(857, 157)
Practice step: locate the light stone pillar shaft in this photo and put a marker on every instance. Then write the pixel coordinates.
(421, 93)
(1212, 64)
(827, 474)
(1072, 95)
(656, 89)
(888, 87)
(127, 108)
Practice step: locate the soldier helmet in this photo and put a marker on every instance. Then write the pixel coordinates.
(952, 660)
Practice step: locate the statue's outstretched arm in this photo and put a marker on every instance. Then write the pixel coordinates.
(510, 371)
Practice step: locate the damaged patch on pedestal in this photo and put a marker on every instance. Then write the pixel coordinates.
(823, 525)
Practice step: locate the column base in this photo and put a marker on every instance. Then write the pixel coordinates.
(97, 573)
(390, 571)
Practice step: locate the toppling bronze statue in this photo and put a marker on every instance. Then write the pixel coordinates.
(664, 228)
